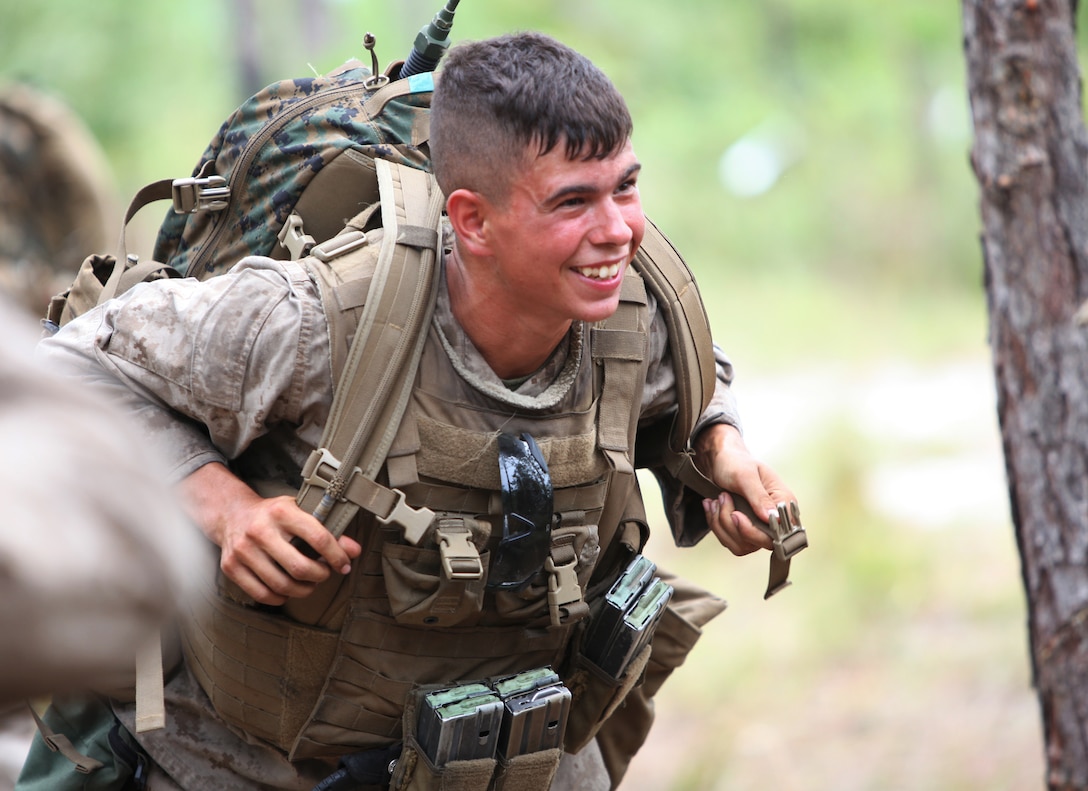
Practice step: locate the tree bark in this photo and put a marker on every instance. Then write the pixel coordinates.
(1030, 156)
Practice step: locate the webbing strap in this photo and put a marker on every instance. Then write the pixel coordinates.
(420, 83)
(150, 705)
(59, 743)
(155, 191)
(690, 339)
(620, 343)
(376, 382)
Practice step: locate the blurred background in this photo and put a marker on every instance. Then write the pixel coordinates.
(810, 159)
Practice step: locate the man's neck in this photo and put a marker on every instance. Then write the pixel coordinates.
(511, 348)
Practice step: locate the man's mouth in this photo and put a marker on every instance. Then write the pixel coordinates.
(603, 272)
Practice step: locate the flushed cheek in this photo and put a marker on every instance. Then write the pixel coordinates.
(637, 224)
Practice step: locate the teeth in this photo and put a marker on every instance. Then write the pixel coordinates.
(602, 272)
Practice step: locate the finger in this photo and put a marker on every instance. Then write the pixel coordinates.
(719, 519)
(282, 580)
(748, 533)
(293, 523)
(331, 554)
(351, 547)
(252, 586)
(292, 559)
(745, 523)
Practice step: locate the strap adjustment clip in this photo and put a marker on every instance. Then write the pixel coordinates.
(460, 558)
(563, 590)
(193, 194)
(292, 237)
(414, 521)
(337, 245)
(789, 536)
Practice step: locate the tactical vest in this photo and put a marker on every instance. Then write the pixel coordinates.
(330, 674)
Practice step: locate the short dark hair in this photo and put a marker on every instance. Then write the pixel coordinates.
(496, 98)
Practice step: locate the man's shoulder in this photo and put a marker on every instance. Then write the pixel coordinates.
(268, 269)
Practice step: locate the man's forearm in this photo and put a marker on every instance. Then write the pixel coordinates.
(210, 494)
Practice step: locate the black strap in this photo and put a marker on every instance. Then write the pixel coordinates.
(133, 756)
(370, 768)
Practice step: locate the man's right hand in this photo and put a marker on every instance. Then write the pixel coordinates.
(254, 534)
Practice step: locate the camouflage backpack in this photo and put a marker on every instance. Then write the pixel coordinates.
(286, 171)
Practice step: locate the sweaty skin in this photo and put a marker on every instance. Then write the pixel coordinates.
(541, 249)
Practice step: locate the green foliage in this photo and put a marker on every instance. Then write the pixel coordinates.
(880, 192)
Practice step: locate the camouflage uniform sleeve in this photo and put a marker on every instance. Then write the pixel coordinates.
(206, 367)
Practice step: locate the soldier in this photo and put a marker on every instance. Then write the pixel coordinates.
(57, 196)
(531, 147)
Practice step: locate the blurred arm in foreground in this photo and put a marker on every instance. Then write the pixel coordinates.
(94, 553)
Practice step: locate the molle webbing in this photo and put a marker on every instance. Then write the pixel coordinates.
(376, 383)
(620, 344)
(379, 661)
(461, 456)
(238, 654)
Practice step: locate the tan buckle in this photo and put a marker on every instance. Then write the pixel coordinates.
(460, 558)
(413, 521)
(319, 471)
(338, 245)
(789, 536)
(193, 194)
(314, 470)
(297, 242)
(563, 588)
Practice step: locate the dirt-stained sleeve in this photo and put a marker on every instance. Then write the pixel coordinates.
(206, 367)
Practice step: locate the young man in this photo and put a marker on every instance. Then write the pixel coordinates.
(303, 660)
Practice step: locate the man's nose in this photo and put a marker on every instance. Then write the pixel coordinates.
(612, 225)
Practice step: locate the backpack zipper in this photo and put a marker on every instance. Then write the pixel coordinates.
(244, 162)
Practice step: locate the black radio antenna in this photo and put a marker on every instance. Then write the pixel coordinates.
(431, 42)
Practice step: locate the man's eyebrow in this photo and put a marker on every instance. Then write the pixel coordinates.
(584, 189)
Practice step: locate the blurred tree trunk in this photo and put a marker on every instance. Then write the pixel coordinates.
(256, 28)
(1030, 156)
(247, 48)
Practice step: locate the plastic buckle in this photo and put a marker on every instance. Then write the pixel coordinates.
(193, 194)
(414, 521)
(318, 462)
(789, 536)
(460, 558)
(292, 237)
(338, 245)
(563, 588)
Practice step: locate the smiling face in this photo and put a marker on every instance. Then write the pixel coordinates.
(563, 237)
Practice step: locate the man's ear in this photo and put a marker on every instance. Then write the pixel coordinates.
(467, 212)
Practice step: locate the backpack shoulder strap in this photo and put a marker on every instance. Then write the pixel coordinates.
(690, 341)
(692, 347)
(374, 388)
